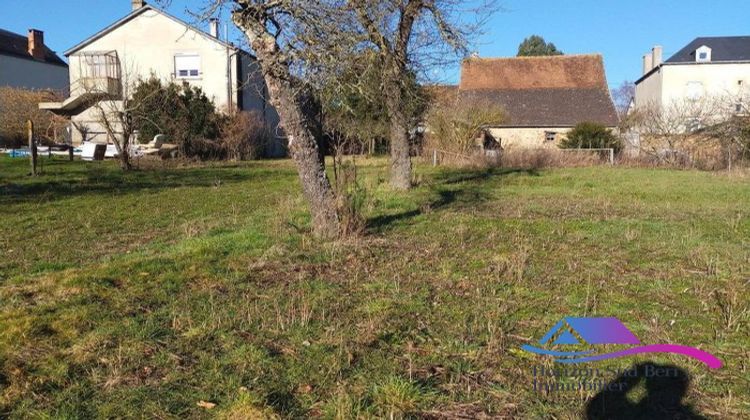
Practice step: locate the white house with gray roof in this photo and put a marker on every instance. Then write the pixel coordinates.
(707, 67)
(149, 41)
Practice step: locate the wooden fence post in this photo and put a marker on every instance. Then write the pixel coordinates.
(434, 157)
(32, 146)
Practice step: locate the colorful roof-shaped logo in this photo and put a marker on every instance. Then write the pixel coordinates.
(589, 332)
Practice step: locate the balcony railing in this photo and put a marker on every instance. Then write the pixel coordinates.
(99, 86)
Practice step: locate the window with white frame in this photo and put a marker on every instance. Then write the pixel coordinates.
(187, 66)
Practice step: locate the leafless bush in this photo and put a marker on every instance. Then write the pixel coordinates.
(245, 136)
(351, 196)
(550, 158)
(708, 133)
(455, 125)
(473, 159)
(524, 158)
(17, 106)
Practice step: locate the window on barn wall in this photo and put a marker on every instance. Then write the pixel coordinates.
(187, 66)
(550, 136)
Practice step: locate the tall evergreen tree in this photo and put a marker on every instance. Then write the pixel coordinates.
(535, 45)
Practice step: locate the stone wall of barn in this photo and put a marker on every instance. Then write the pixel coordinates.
(529, 138)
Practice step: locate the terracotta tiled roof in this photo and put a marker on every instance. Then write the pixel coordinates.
(553, 72)
(542, 91)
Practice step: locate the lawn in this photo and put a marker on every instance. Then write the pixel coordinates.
(192, 292)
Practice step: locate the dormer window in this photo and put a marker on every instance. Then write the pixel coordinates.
(703, 55)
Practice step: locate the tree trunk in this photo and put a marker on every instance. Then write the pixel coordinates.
(123, 150)
(303, 146)
(399, 132)
(305, 153)
(125, 164)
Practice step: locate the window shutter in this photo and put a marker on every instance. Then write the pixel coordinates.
(187, 65)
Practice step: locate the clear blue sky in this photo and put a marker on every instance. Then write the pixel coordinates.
(621, 31)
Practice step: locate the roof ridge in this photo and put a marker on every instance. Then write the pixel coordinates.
(723, 37)
(495, 89)
(11, 33)
(135, 13)
(539, 57)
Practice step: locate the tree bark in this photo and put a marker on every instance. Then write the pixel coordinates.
(399, 132)
(303, 146)
(305, 152)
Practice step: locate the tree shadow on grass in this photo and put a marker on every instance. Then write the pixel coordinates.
(665, 385)
(457, 177)
(92, 179)
(458, 189)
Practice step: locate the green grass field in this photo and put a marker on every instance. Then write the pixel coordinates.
(159, 293)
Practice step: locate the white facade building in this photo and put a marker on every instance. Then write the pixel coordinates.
(705, 68)
(149, 42)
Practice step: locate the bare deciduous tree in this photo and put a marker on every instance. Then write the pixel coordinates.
(115, 110)
(409, 35)
(671, 130)
(456, 125)
(732, 129)
(668, 127)
(623, 97)
(301, 42)
(278, 30)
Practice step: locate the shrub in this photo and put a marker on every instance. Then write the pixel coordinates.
(19, 105)
(548, 158)
(183, 113)
(589, 135)
(351, 197)
(244, 135)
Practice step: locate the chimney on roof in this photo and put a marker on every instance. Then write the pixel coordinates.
(648, 63)
(137, 4)
(213, 26)
(657, 53)
(36, 44)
